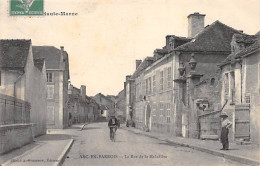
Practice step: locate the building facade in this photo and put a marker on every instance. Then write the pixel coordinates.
(166, 85)
(100, 99)
(57, 73)
(23, 77)
(240, 76)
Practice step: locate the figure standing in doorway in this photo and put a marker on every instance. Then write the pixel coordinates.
(225, 125)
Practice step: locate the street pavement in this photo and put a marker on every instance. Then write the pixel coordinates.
(92, 147)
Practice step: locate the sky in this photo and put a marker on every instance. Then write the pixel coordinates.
(107, 36)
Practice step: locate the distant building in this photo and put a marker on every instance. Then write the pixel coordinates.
(82, 108)
(105, 101)
(57, 71)
(78, 109)
(121, 105)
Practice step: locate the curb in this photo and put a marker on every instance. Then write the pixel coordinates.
(64, 153)
(236, 158)
(84, 126)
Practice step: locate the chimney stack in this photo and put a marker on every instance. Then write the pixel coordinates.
(137, 63)
(127, 77)
(62, 48)
(195, 23)
(83, 91)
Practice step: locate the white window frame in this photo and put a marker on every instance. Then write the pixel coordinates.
(168, 113)
(169, 77)
(161, 80)
(52, 77)
(154, 83)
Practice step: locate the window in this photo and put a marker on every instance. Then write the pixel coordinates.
(146, 86)
(247, 99)
(169, 77)
(49, 77)
(168, 113)
(154, 84)
(50, 91)
(143, 87)
(161, 80)
(212, 81)
(149, 86)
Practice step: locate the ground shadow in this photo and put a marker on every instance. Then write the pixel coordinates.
(74, 127)
(91, 128)
(54, 137)
(17, 152)
(231, 149)
(169, 144)
(120, 141)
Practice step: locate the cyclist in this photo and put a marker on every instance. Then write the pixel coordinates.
(113, 122)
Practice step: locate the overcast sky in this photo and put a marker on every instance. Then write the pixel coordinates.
(107, 36)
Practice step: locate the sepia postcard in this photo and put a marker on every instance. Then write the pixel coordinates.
(129, 82)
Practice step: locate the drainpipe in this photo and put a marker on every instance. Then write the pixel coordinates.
(241, 92)
(15, 94)
(15, 84)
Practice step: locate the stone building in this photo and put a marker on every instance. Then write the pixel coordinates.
(240, 76)
(164, 84)
(81, 108)
(78, 110)
(57, 72)
(22, 94)
(120, 105)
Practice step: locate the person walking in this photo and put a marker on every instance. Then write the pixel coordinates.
(225, 125)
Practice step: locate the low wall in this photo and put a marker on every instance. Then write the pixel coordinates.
(14, 136)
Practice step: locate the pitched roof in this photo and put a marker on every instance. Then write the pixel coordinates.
(103, 107)
(147, 62)
(101, 95)
(39, 63)
(51, 55)
(255, 46)
(213, 38)
(14, 53)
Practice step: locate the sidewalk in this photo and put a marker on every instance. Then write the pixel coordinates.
(46, 150)
(247, 154)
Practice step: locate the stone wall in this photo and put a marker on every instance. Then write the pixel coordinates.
(14, 136)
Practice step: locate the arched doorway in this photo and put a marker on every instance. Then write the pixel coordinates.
(148, 117)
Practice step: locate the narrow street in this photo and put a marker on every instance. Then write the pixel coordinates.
(92, 146)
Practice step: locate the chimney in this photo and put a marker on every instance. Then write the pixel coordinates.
(70, 88)
(127, 77)
(137, 63)
(83, 91)
(195, 23)
(62, 48)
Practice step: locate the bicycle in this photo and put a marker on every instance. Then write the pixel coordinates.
(113, 134)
